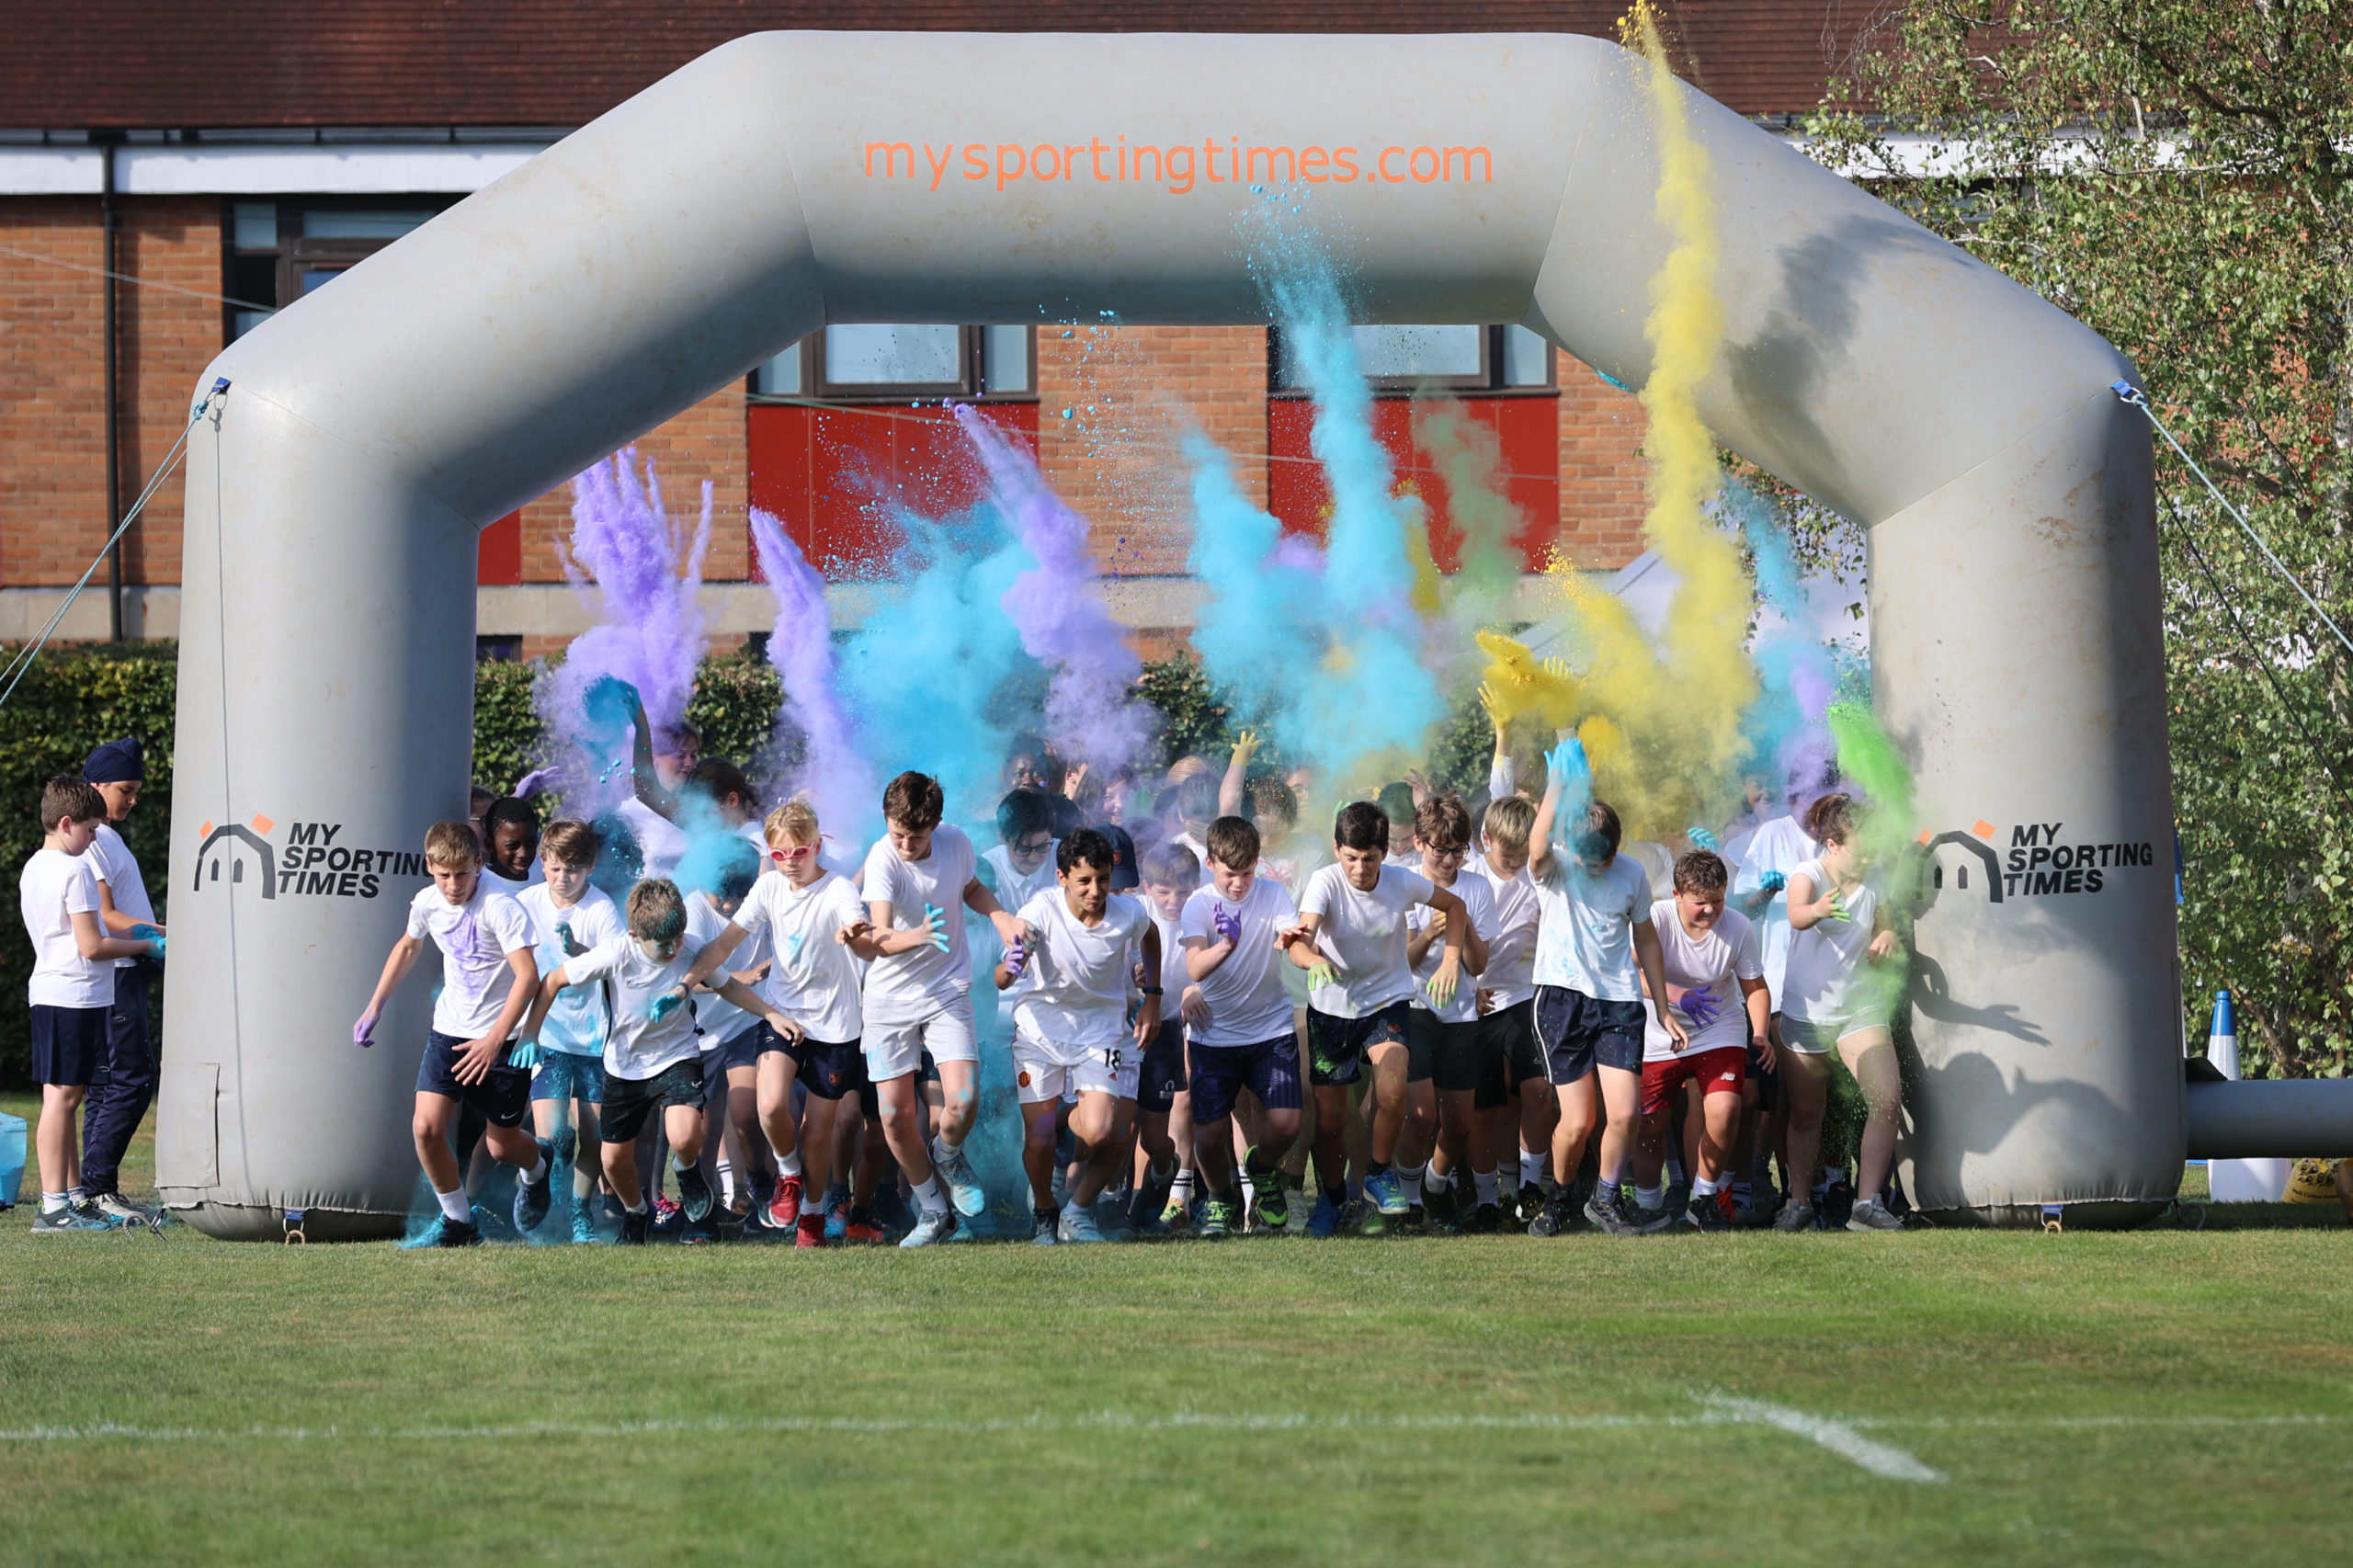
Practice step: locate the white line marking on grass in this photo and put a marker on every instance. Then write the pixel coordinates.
(1890, 1464)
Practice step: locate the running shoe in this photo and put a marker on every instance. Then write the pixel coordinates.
(809, 1230)
(931, 1226)
(531, 1198)
(72, 1221)
(636, 1229)
(1485, 1221)
(566, 1143)
(1417, 1218)
(1078, 1227)
(1274, 1207)
(447, 1232)
(1711, 1211)
(1043, 1225)
(1176, 1214)
(694, 1194)
(783, 1210)
(1553, 1218)
(1641, 1221)
(115, 1207)
(668, 1218)
(1871, 1214)
(955, 1173)
(836, 1219)
(1325, 1221)
(1602, 1216)
(1795, 1216)
(1836, 1203)
(860, 1230)
(1387, 1193)
(584, 1226)
(1219, 1220)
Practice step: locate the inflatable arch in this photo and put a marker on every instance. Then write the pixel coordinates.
(788, 180)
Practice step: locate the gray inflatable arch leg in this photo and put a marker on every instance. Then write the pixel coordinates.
(788, 180)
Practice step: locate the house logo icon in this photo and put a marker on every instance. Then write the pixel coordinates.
(231, 845)
(1978, 841)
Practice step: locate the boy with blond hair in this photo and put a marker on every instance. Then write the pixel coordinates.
(487, 978)
(72, 991)
(1511, 1065)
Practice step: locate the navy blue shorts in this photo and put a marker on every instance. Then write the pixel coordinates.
(1336, 1046)
(1270, 1069)
(828, 1069)
(503, 1097)
(740, 1048)
(69, 1043)
(1578, 1033)
(563, 1076)
(1161, 1076)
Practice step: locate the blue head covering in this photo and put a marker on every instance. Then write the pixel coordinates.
(117, 762)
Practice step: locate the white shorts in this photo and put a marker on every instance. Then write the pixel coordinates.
(1820, 1038)
(1043, 1071)
(893, 1051)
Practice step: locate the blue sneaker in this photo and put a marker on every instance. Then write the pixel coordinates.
(1325, 1221)
(1387, 1193)
(1078, 1226)
(955, 1173)
(71, 1220)
(836, 1223)
(445, 1232)
(931, 1227)
(531, 1198)
(695, 1194)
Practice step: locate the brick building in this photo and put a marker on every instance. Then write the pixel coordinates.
(223, 161)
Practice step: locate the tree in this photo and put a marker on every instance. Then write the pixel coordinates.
(2174, 174)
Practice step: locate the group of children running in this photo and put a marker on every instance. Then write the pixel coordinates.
(1443, 1017)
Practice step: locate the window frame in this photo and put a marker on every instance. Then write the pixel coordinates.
(294, 255)
(972, 387)
(1487, 384)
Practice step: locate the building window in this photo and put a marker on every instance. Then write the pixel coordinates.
(1410, 358)
(279, 251)
(490, 649)
(903, 362)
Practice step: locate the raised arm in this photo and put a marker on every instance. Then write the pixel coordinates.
(1231, 788)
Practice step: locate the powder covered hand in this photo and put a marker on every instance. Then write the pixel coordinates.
(363, 1033)
(1320, 974)
(1226, 924)
(1567, 761)
(537, 781)
(1017, 958)
(1441, 987)
(1700, 838)
(935, 927)
(1700, 1007)
(150, 935)
(1772, 881)
(524, 1053)
(666, 1003)
(1837, 910)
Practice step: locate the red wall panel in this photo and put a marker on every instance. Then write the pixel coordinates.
(498, 552)
(835, 476)
(1527, 429)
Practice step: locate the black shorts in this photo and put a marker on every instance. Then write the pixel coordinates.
(1336, 1046)
(1445, 1053)
(1161, 1076)
(503, 1096)
(1768, 1084)
(740, 1048)
(1508, 1055)
(826, 1069)
(1579, 1033)
(629, 1101)
(69, 1043)
(1216, 1073)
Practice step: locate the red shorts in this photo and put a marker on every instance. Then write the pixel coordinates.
(1716, 1072)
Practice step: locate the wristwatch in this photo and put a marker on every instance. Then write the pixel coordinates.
(1152, 990)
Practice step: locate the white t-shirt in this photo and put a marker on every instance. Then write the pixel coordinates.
(1364, 933)
(1174, 978)
(660, 843)
(1464, 1007)
(56, 887)
(513, 887)
(812, 980)
(1074, 992)
(1714, 963)
(1245, 995)
(638, 1047)
(117, 866)
(576, 1020)
(1781, 845)
(1822, 957)
(719, 1019)
(904, 988)
(1585, 938)
(1014, 890)
(474, 938)
(1511, 951)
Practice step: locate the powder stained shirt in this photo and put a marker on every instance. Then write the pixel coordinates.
(1825, 956)
(906, 988)
(1585, 938)
(1245, 995)
(1462, 1007)
(639, 1046)
(1074, 992)
(812, 980)
(1715, 962)
(1779, 845)
(576, 1020)
(1365, 933)
(476, 939)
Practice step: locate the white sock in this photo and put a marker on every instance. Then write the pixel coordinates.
(1249, 1191)
(788, 1164)
(1648, 1196)
(77, 1196)
(941, 1151)
(928, 1194)
(1531, 1168)
(1072, 1207)
(540, 1166)
(1181, 1190)
(1703, 1187)
(50, 1203)
(634, 1208)
(1435, 1180)
(454, 1204)
(1483, 1184)
(1412, 1182)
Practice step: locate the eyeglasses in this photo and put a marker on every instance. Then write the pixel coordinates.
(1033, 846)
(1435, 852)
(786, 856)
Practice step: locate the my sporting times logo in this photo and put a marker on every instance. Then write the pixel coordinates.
(2040, 861)
(310, 865)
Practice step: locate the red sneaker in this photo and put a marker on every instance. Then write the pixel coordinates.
(784, 1208)
(810, 1231)
(865, 1233)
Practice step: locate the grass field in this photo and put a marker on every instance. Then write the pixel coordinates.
(2160, 1396)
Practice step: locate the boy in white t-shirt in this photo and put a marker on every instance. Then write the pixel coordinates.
(1443, 1070)
(1238, 1026)
(1594, 948)
(718, 874)
(803, 916)
(510, 845)
(651, 1060)
(1020, 865)
(1071, 1028)
(1164, 1162)
(71, 991)
(1715, 982)
(488, 976)
(1514, 1092)
(1350, 938)
(1761, 861)
(919, 881)
(569, 916)
(125, 1085)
